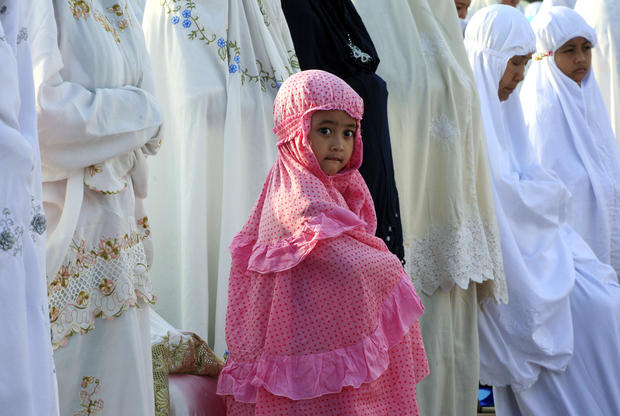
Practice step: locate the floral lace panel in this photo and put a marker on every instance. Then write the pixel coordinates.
(10, 233)
(180, 353)
(457, 254)
(100, 281)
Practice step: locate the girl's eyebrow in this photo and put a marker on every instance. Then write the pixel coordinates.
(328, 121)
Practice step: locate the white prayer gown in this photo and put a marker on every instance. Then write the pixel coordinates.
(548, 350)
(603, 16)
(442, 173)
(97, 121)
(217, 68)
(27, 380)
(560, 114)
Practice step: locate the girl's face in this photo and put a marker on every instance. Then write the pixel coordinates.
(332, 139)
(574, 58)
(513, 75)
(461, 7)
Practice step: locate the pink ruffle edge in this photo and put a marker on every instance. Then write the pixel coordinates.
(314, 375)
(287, 253)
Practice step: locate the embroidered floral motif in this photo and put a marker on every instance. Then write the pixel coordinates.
(22, 35)
(89, 404)
(444, 130)
(145, 228)
(106, 286)
(261, 7)
(94, 169)
(10, 233)
(80, 9)
(358, 54)
(103, 280)
(38, 223)
(116, 9)
(107, 25)
(228, 50)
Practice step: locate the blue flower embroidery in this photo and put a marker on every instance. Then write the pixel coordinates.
(175, 20)
(237, 59)
(221, 42)
(278, 85)
(232, 69)
(186, 14)
(187, 23)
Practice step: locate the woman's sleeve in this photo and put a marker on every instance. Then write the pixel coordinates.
(79, 127)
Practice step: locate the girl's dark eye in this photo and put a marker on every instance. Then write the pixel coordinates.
(325, 130)
(349, 133)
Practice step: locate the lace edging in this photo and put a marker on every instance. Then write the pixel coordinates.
(457, 254)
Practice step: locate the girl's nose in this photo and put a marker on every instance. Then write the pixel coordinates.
(338, 144)
(580, 57)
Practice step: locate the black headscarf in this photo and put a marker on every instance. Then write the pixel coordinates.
(330, 35)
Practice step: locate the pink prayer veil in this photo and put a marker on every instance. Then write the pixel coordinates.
(299, 204)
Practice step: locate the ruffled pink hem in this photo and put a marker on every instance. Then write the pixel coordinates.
(287, 253)
(314, 375)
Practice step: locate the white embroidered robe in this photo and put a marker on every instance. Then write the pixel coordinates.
(27, 380)
(217, 68)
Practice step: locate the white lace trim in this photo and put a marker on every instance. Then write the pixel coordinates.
(93, 284)
(457, 254)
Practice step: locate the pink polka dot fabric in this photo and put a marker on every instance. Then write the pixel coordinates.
(322, 318)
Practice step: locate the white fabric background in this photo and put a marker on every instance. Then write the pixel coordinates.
(207, 178)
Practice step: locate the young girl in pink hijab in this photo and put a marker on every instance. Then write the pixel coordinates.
(322, 318)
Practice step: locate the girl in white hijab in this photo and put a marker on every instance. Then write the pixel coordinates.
(548, 351)
(561, 95)
(603, 16)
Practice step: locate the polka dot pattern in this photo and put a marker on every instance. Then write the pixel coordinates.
(308, 275)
